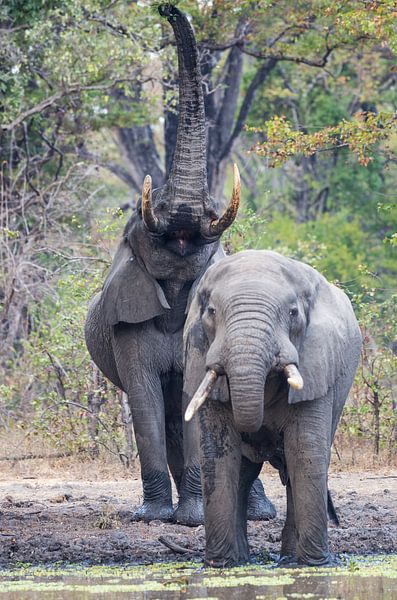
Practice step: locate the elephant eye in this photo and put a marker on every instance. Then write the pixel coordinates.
(211, 311)
(293, 311)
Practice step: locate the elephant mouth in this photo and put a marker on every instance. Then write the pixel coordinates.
(181, 242)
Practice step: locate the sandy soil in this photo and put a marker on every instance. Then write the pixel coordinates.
(47, 517)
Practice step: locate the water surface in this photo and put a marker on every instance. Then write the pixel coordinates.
(370, 578)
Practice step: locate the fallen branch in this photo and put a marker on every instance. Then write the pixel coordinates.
(38, 456)
(172, 546)
(383, 477)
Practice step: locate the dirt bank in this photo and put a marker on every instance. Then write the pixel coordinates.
(47, 519)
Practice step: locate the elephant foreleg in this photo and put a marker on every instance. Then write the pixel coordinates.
(147, 407)
(307, 448)
(172, 392)
(249, 472)
(190, 506)
(220, 459)
(288, 537)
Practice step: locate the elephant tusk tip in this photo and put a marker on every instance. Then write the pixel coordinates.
(189, 414)
(201, 394)
(294, 378)
(296, 384)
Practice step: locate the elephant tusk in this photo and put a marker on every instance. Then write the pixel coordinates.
(148, 216)
(294, 378)
(201, 395)
(218, 226)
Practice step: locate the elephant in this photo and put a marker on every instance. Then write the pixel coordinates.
(134, 326)
(271, 349)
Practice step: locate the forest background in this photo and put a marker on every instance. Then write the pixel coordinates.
(302, 95)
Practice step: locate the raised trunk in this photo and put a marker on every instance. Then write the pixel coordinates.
(188, 175)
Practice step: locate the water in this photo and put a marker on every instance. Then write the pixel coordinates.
(370, 578)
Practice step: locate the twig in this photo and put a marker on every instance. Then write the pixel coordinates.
(172, 546)
(336, 451)
(122, 457)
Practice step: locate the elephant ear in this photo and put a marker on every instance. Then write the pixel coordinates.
(331, 347)
(195, 347)
(130, 294)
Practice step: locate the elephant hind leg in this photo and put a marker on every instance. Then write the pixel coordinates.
(260, 508)
(288, 536)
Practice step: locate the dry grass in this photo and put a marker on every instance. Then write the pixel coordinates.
(347, 455)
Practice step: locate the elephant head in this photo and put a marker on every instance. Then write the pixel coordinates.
(179, 220)
(274, 328)
(175, 230)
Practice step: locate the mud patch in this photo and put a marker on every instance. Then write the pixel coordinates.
(51, 520)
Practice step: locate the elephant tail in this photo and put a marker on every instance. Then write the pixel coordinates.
(331, 509)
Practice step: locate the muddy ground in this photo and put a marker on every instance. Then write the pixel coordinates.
(61, 518)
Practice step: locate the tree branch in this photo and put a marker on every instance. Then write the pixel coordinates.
(111, 166)
(259, 78)
(321, 63)
(47, 102)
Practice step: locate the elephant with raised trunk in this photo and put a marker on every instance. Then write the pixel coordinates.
(271, 349)
(134, 326)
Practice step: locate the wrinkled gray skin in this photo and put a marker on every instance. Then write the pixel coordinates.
(253, 313)
(134, 326)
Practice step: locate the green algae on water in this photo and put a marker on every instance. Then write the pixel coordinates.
(374, 577)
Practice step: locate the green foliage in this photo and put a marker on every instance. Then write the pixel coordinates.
(361, 135)
(74, 72)
(55, 389)
(335, 245)
(371, 412)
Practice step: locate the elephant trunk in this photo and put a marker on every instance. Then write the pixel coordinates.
(188, 175)
(249, 361)
(246, 386)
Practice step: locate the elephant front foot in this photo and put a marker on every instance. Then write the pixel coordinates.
(331, 560)
(288, 561)
(154, 511)
(190, 511)
(260, 508)
(190, 507)
(227, 560)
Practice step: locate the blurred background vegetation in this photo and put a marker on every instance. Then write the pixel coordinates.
(302, 95)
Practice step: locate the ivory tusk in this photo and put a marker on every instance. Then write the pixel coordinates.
(219, 225)
(201, 395)
(149, 218)
(294, 378)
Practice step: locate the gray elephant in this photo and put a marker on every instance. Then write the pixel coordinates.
(274, 347)
(134, 326)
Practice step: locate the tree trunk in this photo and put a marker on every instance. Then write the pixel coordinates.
(376, 411)
(126, 417)
(96, 398)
